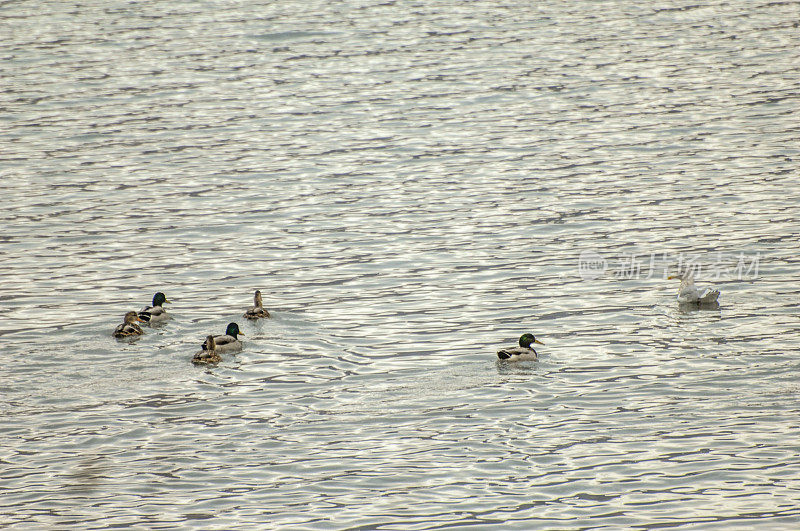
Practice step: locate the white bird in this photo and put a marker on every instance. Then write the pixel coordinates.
(689, 294)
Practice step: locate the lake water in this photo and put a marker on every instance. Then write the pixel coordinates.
(411, 186)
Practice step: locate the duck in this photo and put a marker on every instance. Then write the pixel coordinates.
(129, 327)
(155, 313)
(257, 311)
(228, 342)
(521, 353)
(208, 354)
(688, 294)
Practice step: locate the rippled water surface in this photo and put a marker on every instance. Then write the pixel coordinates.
(411, 185)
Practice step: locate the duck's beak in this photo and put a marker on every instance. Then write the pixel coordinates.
(241, 333)
(140, 319)
(537, 341)
(167, 300)
(672, 277)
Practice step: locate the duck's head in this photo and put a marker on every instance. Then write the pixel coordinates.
(526, 340)
(211, 345)
(686, 278)
(257, 299)
(688, 274)
(159, 299)
(233, 330)
(132, 317)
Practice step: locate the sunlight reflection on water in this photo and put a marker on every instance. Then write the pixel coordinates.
(411, 188)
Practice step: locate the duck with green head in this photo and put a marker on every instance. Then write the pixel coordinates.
(522, 352)
(228, 342)
(155, 313)
(129, 327)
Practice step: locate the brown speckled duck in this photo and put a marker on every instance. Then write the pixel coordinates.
(129, 327)
(209, 353)
(257, 311)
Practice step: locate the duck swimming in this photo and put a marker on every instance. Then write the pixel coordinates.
(128, 327)
(688, 294)
(521, 353)
(155, 313)
(208, 354)
(228, 342)
(257, 311)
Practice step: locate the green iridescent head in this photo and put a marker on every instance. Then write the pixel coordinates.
(233, 330)
(526, 340)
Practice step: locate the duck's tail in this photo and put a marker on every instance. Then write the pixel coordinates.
(709, 296)
(503, 354)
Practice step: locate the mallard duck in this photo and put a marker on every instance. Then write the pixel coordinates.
(129, 327)
(521, 353)
(155, 313)
(688, 294)
(228, 342)
(209, 353)
(257, 311)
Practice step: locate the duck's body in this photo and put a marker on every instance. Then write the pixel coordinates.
(228, 342)
(689, 294)
(156, 313)
(257, 311)
(208, 354)
(128, 327)
(523, 352)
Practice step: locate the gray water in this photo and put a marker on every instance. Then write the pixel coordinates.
(412, 186)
